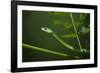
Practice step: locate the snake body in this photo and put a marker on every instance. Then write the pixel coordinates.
(48, 30)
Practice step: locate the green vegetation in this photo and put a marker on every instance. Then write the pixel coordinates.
(67, 36)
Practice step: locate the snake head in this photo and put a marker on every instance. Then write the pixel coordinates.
(45, 29)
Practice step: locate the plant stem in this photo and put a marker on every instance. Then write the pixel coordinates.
(72, 19)
(44, 50)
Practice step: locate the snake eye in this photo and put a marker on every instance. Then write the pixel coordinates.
(45, 28)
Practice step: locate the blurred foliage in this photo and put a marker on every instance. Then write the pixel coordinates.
(79, 18)
(82, 23)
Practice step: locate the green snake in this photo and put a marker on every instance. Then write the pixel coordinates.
(48, 30)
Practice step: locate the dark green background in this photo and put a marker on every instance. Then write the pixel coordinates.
(33, 35)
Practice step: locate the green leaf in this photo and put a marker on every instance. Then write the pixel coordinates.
(58, 13)
(67, 26)
(85, 30)
(82, 16)
(57, 22)
(73, 35)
